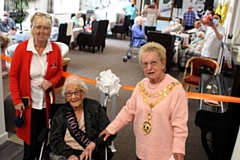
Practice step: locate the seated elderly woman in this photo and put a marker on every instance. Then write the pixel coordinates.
(78, 20)
(88, 28)
(192, 50)
(176, 26)
(76, 125)
(138, 34)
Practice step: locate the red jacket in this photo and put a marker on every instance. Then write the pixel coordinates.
(19, 85)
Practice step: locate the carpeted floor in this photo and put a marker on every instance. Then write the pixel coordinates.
(89, 65)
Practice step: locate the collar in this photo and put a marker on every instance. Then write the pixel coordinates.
(31, 46)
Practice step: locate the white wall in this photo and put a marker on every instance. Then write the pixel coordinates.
(3, 133)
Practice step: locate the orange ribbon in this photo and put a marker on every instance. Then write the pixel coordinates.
(191, 95)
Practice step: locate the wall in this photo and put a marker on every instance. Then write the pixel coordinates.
(3, 133)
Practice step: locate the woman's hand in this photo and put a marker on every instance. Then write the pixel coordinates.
(20, 107)
(45, 84)
(73, 157)
(106, 133)
(87, 152)
(178, 156)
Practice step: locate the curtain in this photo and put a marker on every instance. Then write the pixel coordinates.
(6, 5)
(80, 5)
(50, 6)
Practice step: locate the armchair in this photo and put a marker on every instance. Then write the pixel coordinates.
(195, 64)
(121, 28)
(167, 40)
(62, 34)
(96, 38)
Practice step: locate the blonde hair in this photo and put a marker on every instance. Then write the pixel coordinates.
(153, 47)
(73, 79)
(43, 18)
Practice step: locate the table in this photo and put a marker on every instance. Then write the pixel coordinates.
(184, 36)
(76, 31)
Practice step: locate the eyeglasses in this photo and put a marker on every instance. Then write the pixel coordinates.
(76, 93)
(45, 28)
(152, 63)
(41, 14)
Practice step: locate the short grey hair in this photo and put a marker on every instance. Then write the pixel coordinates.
(74, 79)
(201, 33)
(138, 18)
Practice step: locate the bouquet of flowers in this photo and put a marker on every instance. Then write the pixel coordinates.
(4, 42)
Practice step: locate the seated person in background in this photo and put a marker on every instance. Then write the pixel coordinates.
(138, 32)
(55, 29)
(78, 20)
(17, 36)
(176, 26)
(88, 28)
(193, 32)
(194, 49)
(89, 118)
(167, 30)
(10, 20)
(7, 24)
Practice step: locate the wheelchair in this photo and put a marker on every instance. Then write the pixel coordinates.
(129, 53)
(44, 137)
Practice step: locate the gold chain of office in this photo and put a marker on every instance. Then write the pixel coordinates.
(146, 126)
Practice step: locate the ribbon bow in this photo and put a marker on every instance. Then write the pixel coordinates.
(108, 83)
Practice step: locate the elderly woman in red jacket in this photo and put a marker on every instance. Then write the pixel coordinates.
(35, 68)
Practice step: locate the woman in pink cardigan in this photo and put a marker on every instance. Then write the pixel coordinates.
(158, 108)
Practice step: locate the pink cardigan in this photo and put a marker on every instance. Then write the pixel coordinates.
(169, 121)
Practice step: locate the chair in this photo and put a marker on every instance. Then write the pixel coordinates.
(195, 64)
(96, 38)
(167, 41)
(64, 49)
(45, 152)
(121, 28)
(59, 85)
(82, 15)
(62, 36)
(131, 46)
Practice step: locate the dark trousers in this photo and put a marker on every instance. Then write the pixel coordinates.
(131, 22)
(188, 27)
(38, 122)
(147, 29)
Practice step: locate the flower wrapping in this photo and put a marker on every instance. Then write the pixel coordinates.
(108, 83)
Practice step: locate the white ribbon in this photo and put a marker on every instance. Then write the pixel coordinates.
(108, 83)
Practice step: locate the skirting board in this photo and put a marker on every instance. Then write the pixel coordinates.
(3, 137)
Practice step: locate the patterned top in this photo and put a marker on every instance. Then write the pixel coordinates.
(189, 18)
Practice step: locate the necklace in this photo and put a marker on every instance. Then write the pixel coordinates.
(146, 126)
(157, 83)
(154, 86)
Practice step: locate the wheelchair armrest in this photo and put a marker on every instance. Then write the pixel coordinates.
(43, 135)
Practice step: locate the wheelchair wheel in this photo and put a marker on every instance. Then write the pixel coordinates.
(125, 59)
(129, 55)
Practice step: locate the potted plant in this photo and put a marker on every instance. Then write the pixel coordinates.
(19, 7)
